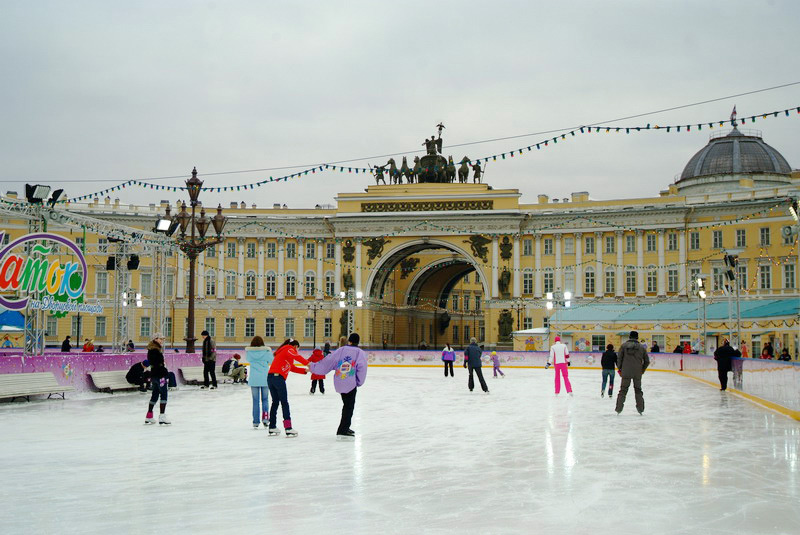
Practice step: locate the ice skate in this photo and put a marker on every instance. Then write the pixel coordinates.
(213, 388)
(602, 394)
(149, 420)
(265, 420)
(291, 433)
(347, 435)
(256, 426)
(570, 394)
(274, 432)
(162, 419)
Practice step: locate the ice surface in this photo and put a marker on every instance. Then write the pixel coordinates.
(430, 457)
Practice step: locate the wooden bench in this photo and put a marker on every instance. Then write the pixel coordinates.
(25, 385)
(111, 381)
(193, 375)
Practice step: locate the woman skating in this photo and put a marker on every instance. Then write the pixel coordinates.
(448, 356)
(260, 357)
(158, 371)
(285, 356)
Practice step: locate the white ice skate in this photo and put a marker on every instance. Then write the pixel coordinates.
(149, 420)
(256, 426)
(275, 432)
(291, 433)
(162, 419)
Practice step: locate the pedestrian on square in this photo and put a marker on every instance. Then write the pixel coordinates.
(209, 361)
(66, 345)
(159, 377)
(632, 362)
(559, 358)
(472, 357)
(284, 362)
(496, 365)
(448, 356)
(260, 357)
(724, 355)
(745, 351)
(608, 362)
(655, 348)
(785, 355)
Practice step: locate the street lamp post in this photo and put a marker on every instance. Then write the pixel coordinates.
(556, 300)
(351, 300)
(195, 242)
(701, 296)
(314, 307)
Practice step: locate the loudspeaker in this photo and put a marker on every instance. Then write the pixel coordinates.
(133, 262)
(111, 263)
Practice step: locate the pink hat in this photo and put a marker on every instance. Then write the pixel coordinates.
(558, 338)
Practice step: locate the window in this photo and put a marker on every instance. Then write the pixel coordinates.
(74, 329)
(289, 327)
(230, 285)
(694, 273)
(455, 333)
(742, 275)
(651, 243)
(672, 280)
(694, 241)
(311, 249)
(308, 328)
(290, 283)
(477, 303)
(211, 327)
(51, 328)
(330, 250)
(291, 249)
(269, 328)
(630, 280)
(527, 247)
(270, 286)
(101, 287)
(588, 279)
(231, 248)
(569, 279)
(610, 281)
(78, 241)
(328, 328)
(788, 239)
(589, 242)
(102, 245)
(630, 243)
(230, 327)
(598, 342)
(311, 283)
(788, 276)
(527, 323)
(661, 341)
(765, 277)
(569, 245)
(466, 333)
(251, 250)
(527, 282)
(764, 235)
(756, 346)
(716, 239)
(329, 283)
(672, 241)
(167, 328)
(250, 284)
(548, 246)
(211, 283)
(170, 285)
(146, 283)
(548, 280)
(717, 276)
(249, 327)
(652, 284)
(271, 248)
(610, 245)
(211, 252)
(144, 328)
(741, 237)
(99, 327)
(466, 303)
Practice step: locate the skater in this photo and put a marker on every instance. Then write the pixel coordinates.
(608, 362)
(88, 346)
(209, 361)
(317, 379)
(632, 362)
(139, 375)
(159, 373)
(559, 357)
(472, 357)
(285, 356)
(238, 371)
(448, 356)
(724, 355)
(260, 357)
(350, 363)
(66, 345)
(496, 365)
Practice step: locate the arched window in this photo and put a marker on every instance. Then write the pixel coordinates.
(569, 279)
(211, 282)
(588, 279)
(329, 283)
(311, 283)
(250, 284)
(291, 281)
(270, 286)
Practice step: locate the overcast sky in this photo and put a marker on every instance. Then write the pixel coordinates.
(114, 90)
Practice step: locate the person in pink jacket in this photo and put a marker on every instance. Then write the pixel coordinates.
(559, 357)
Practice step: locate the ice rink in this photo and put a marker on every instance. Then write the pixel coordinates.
(430, 457)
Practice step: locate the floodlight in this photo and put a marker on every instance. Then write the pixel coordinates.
(567, 296)
(341, 304)
(699, 282)
(567, 304)
(550, 296)
(36, 193)
(54, 197)
(359, 295)
(549, 305)
(702, 294)
(341, 295)
(795, 211)
(359, 303)
(162, 225)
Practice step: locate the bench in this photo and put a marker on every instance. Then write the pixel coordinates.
(193, 375)
(25, 385)
(110, 381)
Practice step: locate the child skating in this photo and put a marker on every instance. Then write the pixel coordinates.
(608, 362)
(496, 365)
(317, 379)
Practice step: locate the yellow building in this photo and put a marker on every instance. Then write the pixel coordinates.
(444, 262)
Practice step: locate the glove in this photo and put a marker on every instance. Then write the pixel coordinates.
(546, 365)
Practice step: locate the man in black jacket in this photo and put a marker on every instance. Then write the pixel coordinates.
(632, 361)
(209, 360)
(723, 356)
(473, 356)
(65, 345)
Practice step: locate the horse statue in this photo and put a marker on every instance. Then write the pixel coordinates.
(394, 174)
(463, 171)
(378, 171)
(451, 170)
(405, 171)
(416, 170)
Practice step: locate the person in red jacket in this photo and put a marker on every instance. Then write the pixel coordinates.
(284, 362)
(317, 355)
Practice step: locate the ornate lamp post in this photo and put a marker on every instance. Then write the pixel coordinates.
(195, 242)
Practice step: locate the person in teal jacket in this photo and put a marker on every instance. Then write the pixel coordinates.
(260, 357)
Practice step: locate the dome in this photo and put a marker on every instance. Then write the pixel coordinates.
(736, 153)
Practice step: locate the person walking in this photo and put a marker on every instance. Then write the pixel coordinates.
(632, 362)
(316, 378)
(472, 357)
(496, 365)
(260, 357)
(285, 356)
(160, 381)
(209, 361)
(66, 345)
(608, 362)
(559, 358)
(448, 356)
(350, 363)
(724, 355)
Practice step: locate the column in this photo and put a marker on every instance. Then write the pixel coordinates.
(579, 282)
(683, 268)
(517, 275)
(261, 254)
(240, 268)
(620, 270)
(301, 274)
(599, 272)
(537, 251)
(180, 291)
(280, 278)
(320, 277)
(221, 271)
(662, 271)
(200, 276)
(558, 273)
(495, 259)
(337, 270)
(639, 263)
(357, 276)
